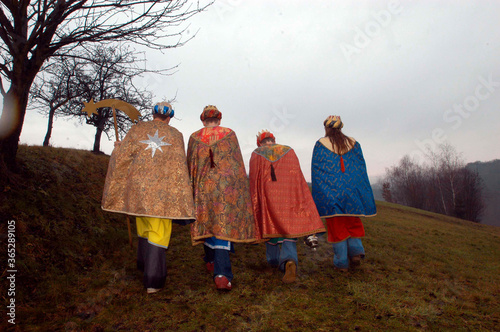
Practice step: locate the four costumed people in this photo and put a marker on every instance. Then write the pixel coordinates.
(342, 192)
(151, 178)
(221, 195)
(282, 203)
(148, 178)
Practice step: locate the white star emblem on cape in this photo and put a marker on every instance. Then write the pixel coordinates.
(154, 143)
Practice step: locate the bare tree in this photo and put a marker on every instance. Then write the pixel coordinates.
(33, 31)
(447, 164)
(470, 199)
(54, 87)
(386, 192)
(97, 73)
(445, 186)
(406, 183)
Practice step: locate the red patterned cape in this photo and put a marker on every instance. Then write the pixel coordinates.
(282, 202)
(221, 189)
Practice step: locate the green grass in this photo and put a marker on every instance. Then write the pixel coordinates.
(76, 270)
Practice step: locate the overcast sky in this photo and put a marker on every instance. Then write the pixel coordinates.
(403, 75)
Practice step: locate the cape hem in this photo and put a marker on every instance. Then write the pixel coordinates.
(348, 215)
(270, 236)
(148, 215)
(201, 239)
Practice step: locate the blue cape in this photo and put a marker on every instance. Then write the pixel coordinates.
(338, 193)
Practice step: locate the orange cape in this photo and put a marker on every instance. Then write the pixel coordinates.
(284, 207)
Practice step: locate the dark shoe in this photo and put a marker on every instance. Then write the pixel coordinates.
(290, 272)
(210, 267)
(311, 241)
(355, 260)
(222, 283)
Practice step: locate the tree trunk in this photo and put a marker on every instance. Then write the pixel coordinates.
(453, 192)
(49, 127)
(440, 186)
(97, 140)
(11, 124)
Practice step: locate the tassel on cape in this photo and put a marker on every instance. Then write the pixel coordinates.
(212, 163)
(273, 174)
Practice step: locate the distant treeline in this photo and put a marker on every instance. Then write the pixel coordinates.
(490, 173)
(443, 185)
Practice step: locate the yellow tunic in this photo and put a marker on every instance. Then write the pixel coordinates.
(157, 231)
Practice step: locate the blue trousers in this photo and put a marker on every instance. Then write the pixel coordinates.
(348, 248)
(220, 258)
(277, 257)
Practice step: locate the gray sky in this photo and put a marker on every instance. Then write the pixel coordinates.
(403, 75)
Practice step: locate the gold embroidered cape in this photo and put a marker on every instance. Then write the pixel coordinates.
(148, 176)
(282, 202)
(221, 188)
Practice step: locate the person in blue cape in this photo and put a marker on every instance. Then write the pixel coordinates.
(342, 192)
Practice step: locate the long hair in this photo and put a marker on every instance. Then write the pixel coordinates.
(340, 142)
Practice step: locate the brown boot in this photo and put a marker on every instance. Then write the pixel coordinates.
(355, 260)
(290, 272)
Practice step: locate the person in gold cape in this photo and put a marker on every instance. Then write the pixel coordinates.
(148, 178)
(282, 203)
(221, 195)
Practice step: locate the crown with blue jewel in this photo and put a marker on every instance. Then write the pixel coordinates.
(164, 108)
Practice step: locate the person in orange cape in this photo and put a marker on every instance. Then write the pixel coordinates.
(148, 178)
(221, 195)
(282, 203)
(342, 192)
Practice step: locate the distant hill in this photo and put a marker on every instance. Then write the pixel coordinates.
(490, 173)
(77, 272)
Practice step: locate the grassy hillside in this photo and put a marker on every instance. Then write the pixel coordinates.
(76, 270)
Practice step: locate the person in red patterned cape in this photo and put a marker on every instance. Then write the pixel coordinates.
(221, 195)
(148, 178)
(282, 203)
